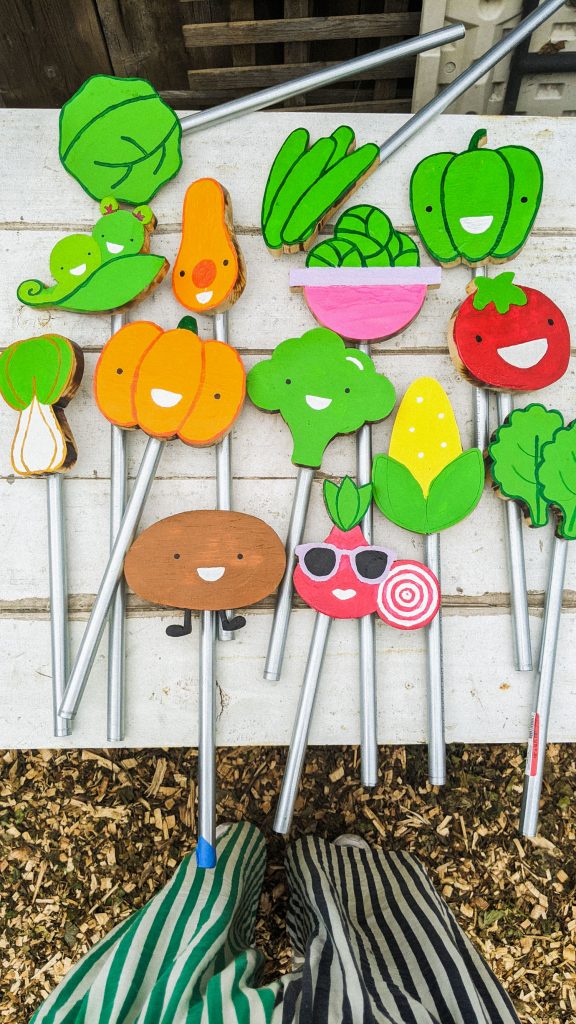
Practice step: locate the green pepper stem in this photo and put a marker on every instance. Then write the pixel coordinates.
(479, 138)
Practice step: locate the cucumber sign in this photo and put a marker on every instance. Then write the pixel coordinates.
(478, 206)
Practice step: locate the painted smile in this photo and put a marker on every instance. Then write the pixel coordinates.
(204, 297)
(476, 225)
(525, 354)
(114, 248)
(210, 573)
(316, 402)
(165, 399)
(77, 271)
(344, 595)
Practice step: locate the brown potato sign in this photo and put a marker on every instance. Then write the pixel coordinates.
(206, 561)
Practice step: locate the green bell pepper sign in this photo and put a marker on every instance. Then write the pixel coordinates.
(478, 206)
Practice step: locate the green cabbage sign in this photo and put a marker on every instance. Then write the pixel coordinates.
(477, 206)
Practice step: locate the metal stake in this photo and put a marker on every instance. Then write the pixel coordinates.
(223, 465)
(299, 741)
(113, 573)
(435, 679)
(472, 74)
(277, 641)
(307, 83)
(481, 398)
(206, 848)
(544, 683)
(117, 622)
(516, 565)
(59, 639)
(366, 627)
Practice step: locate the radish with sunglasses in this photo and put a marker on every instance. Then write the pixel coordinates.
(345, 577)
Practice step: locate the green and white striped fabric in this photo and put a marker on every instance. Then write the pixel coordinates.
(379, 946)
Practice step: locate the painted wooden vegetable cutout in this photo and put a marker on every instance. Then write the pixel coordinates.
(38, 377)
(118, 137)
(209, 274)
(477, 206)
(366, 282)
(518, 464)
(170, 383)
(321, 389)
(105, 271)
(345, 577)
(207, 562)
(341, 578)
(427, 483)
(509, 337)
(307, 183)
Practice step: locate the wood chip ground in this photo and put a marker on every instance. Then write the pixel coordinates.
(86, 837)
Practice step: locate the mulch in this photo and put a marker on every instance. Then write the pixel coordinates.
(86, 837)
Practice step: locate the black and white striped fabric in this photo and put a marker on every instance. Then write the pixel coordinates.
(378, 945)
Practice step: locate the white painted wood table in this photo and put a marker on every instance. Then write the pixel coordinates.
(486, 700)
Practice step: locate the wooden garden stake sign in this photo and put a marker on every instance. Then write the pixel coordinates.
(206, 562)
(169, 384)
(477, 208)
(532, 458)
(209, 276)
(425, 484)
(321, 389)
(38, 377)
(345, 577)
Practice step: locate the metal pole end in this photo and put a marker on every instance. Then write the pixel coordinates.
(370, 782)
(437, 780)
(63, 729)
(271, 676)
(524, 664)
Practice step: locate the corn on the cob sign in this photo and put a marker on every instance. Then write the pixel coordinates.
(426, 483)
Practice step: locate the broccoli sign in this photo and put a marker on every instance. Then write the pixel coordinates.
(477, 206)
(321, 389)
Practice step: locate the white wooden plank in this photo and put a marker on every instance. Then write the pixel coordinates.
(239, 154)
(486, 701)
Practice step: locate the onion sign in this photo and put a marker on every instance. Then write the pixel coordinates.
(409, 597)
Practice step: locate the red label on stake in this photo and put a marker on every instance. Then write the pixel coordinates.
(533, 746)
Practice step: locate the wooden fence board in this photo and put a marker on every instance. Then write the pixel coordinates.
(278, 30)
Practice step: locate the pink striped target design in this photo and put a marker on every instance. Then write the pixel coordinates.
(409, 597)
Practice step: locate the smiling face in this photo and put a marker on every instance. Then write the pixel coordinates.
(327, 581)
(523, 349)
(119, 233)
(206, 561)
(73, 259)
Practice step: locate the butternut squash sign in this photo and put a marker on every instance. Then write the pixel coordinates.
(170, 383)
(209, 274)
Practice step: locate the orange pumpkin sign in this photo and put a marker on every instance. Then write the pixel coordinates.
(209, 274)
(170, 383)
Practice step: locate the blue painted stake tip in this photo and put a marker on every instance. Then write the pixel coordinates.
(205, 854)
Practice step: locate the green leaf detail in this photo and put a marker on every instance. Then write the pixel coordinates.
(456, 491)
(500, 290)
(516, 454)
(558, 478)
(347, 503)
(35, 368)
(398, 494)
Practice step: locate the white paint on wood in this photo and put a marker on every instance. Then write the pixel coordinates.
(485, 699)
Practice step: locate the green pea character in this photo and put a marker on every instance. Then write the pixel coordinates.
(476, 206)
(122, 232)
(72, 260)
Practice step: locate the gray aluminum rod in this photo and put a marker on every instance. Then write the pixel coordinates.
(283, 608)
(299, 741)
(472, 74)
(536, 755)
(366, 626)
(481, 397)
(435, 678)
(516, 565)
(115, 701)
(59, 638)
(112, 575)
(307, 83)
(223, 465)
(206, 848)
